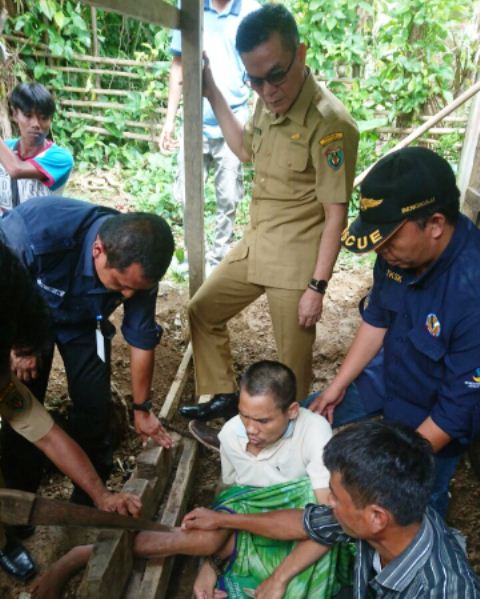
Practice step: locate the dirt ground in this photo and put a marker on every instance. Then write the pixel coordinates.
(251, 340)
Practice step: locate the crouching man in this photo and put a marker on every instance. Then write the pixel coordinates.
(381, 476)
(24, 326)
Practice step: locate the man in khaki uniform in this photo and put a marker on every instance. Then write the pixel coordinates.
(23, 326)
(303, 144)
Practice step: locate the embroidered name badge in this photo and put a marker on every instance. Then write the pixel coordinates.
(329, 138)
(433, 325)
(295, 136)
(335, 158)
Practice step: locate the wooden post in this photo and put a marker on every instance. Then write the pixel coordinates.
(93, 17)
(192, 26)
(470, 152)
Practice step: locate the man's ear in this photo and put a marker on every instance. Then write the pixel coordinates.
(302, 53)
(379, 518)
(97, 247)
(437, 222)
(293, 410)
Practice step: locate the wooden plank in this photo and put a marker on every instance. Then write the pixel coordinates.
(157, 13)
(157, 572)
(468, 174)
(103, 72)
(99, 91)
(110, 558)
(192, 26)
(177, 386)
(102, 119)
(109, 567)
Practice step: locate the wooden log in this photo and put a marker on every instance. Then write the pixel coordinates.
(157, 571)
(124, 135)
(109, 567)
(192, 20)
(102, 119)
(178, 385)
(432, 131)
(103, 72)
(95, 104)
(157, 13)
(97, 91)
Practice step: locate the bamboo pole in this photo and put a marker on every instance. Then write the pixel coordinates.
(103, 72)
(461, 99)
(101, 119)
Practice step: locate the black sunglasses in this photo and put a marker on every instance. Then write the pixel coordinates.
(275, 77)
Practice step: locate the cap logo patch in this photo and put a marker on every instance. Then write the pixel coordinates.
(433, 325)
(476, 376)
(361, 243)
(329, 138)
(412, 207)
(334, 158)
(366, 203)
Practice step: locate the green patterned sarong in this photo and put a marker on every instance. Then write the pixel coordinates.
(255, 558)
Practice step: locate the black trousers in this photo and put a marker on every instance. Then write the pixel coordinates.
(89, 416)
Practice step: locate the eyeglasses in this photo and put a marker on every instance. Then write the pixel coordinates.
(275, 77)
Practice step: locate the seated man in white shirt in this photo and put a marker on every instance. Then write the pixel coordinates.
(271, 454)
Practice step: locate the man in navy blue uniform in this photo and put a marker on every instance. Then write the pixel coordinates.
(86, 260)
(416, 355)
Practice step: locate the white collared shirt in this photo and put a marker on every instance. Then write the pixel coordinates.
(298, 453)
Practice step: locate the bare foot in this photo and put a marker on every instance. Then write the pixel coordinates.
(204, 585)
(50, 584)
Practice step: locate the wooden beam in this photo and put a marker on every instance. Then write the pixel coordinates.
(192, 26)
(156, 13)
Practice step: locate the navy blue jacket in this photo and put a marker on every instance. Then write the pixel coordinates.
(53, 237)
(431, 364)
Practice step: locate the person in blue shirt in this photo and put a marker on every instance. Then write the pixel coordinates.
(31, 165)
(86, 260)
(416, 355)
(221, 19)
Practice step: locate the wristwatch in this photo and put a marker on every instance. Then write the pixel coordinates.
(318, 285)
(146, 406)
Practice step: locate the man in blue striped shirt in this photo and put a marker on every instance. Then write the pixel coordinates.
(381, 479)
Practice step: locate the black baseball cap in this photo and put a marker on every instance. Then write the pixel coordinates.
(398, 186)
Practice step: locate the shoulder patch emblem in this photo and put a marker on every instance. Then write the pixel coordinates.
(329, 138)
(335, 158)
(15, 401)
(433, 325)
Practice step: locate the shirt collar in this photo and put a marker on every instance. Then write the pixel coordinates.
(400, 572)
(298, 110)
(233, 8)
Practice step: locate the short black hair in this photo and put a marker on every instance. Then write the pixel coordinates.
(387, 464)
(138, 237)
(32, 97)
(271, 377)
(258, 26)
(24, 317)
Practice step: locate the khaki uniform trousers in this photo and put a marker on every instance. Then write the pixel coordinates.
(224, 294)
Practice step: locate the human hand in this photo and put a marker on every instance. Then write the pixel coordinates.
(24, 367)
(204, 585)
(148, 426)
(326, 402)
(201, 518)
(208, 82)
(310, 308)
(167, 142)
(271, 588)
(123, 503)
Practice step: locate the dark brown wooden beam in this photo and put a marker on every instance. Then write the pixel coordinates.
(156, 12)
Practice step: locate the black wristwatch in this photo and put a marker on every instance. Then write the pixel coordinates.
(318, 285)
(146, 406)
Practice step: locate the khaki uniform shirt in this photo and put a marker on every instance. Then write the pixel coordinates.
(303, 160)
(298, 453)
(23, 412)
